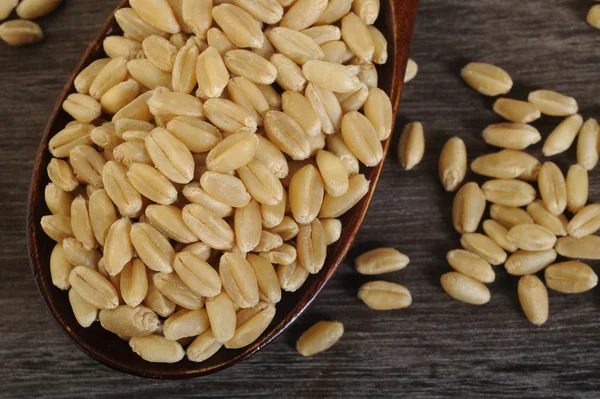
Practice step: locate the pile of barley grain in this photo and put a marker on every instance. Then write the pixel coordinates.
(180, 218)
(19, 32)
(530, 234)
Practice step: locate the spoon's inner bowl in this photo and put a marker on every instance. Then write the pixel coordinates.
(115, 352)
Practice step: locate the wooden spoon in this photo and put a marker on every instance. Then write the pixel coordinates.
(396, 22)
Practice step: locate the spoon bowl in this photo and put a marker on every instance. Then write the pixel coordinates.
(396, 22)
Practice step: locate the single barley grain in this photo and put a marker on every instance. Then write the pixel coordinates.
(169, 221)
(135, 27)
(60, 268)
(487, 79)
(311, 247)
(157, 349)
(577, 188)
(195, 194)
(332, 229)
(119, 96)
(268, 241)
(411, 70)
(61, 174)
(198, 275)
(468, 208)
(585, 222)
(127, 199)
(84, 312)
(7, 7)
(82, 107)
(283, 255)
(225, 188)
(361, 138)
(19, 32)
(156, 301)
(287, 228)
(128, 321)
(250, 324)
(57, 227)
(368, 75)
(332, 207)
(411, 145)
(533, 297)
(197, 135)
(509, 216)
(483, 246)
(183, 78)
(171, 286)
(563, 136)
(306, 194)
(529, 262)
(334, 11)
(102, 214)
(247, 222)
(137, 109)
(169, 105)
(239, 280)
(113, 73)
(322, 34)
(291, 277)
(327, 107)
(204, 346)
(197, 15)
(211, 73)
(331, 76)
(553, 103)
(570, 277)
(381, 260)
(453, 163)
(61, 144)
(289, 74)
(247, 94)
(239, 26)
(542, 216)
(587, 247)
(229, 116)
(471, 265)
(86, 77)
(87, 165)
(210, 228)
(333, 172)
(93, 288)
(357, 37)
(320, 337)
(152, 247)
(514, 136)
(587, 144)
(465, 288)
(300, 110)
(303, 13)
(81, 224)
(553, 188)
(509, 192)
(266, 278)
(506, 164)
(531, 237)
(368, 10)
(119, 46)
(186, 323)
(516, 111)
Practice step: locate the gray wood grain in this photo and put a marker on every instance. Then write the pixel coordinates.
(436, 348)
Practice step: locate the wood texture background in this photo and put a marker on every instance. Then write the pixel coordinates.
(437, 347)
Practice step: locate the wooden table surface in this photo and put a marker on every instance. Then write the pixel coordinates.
(436, 348)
